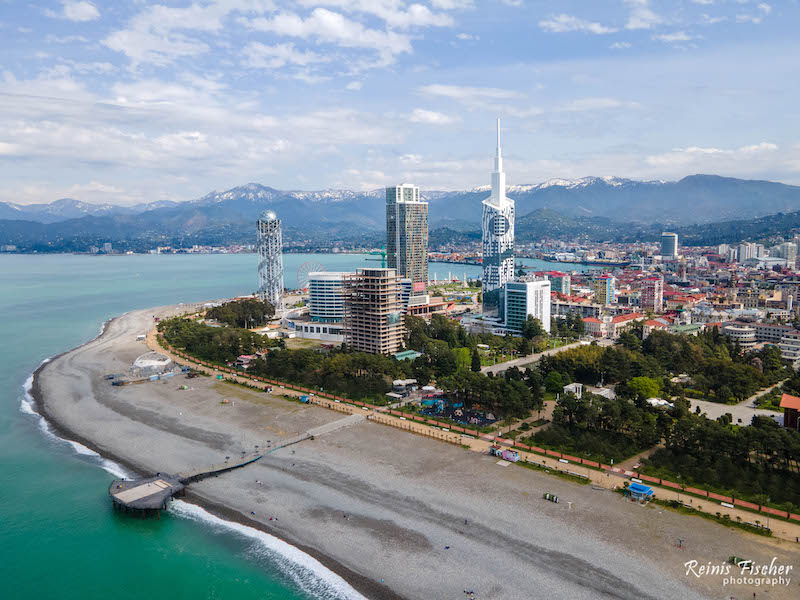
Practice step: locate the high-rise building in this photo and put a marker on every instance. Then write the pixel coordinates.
(107, 248)
(407, 237)
(373, 311)
(746, 251)
(560, 282)
(669, 244)
(270, 259)
(524, 298)
(326, 296)
(787, 250)
(653, 294)
(497, 226)
(604, 289)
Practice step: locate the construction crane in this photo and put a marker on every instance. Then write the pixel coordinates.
(382, 253)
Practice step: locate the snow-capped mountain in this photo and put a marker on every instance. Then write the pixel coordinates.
(570, 184)
(694, 199)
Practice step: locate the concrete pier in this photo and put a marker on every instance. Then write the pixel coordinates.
(150, 495)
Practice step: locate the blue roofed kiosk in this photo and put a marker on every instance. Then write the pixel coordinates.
(636, 492)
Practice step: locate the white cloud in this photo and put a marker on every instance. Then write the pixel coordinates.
(466, 93)
(641, 15)
(326, 26)
(80, 11)
(261, 56)
(430, 117)
(354, 86)
(392, 12)
(765, 8)
(713, 159)
(452, 4)
(677, 36)
(160, 34)
(620, 45)
(564, 23)
(592, 104)
(467, 36)
(703, 2)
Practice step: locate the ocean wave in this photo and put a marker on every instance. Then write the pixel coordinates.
(308, 573)
(27, 406)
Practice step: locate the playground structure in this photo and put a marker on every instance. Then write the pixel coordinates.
(439, 406)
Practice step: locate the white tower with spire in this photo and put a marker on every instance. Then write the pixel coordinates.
(497, 227)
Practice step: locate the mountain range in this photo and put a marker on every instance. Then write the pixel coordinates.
(593, 206)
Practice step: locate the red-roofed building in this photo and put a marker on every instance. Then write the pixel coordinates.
(611, 327)
(791, 411)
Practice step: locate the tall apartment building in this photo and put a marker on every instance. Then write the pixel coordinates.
(747, 250)
(497, 227)
(787, 250)
(604, 288)
(373, 311)
(653, 294)
(669, 244)
(407, 237)
(560, 282)
(523, 298)
(326, 296)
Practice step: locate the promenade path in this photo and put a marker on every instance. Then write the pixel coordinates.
(525, 361)
(611, 479)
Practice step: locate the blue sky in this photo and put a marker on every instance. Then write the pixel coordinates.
(128, 102)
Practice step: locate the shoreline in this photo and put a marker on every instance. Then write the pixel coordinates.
(362, 584)
(403, 496)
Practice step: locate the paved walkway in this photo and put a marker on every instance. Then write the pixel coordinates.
(527, 360)
(742, 412)
(628, 464)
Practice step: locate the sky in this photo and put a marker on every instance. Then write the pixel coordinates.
(130, 102)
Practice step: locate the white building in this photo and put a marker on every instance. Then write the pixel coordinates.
(497, 226)
(270, 259)
(526, 298)
(669, 244)
(326, 296)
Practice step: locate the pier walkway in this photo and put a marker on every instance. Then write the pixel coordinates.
(150, 495)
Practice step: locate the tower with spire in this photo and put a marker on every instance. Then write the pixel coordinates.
(497, 226)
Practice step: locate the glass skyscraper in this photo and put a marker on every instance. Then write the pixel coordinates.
(407, 236)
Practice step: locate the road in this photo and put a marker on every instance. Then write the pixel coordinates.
(527, 360)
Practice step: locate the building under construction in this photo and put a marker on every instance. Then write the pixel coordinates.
(270, 259)
(373, 314)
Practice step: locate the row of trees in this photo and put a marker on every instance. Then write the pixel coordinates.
(717, 368)
(242, 313)
(602, 429)
(758, 462)
(215, 344)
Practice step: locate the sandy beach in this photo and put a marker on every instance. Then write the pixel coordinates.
(395, 514)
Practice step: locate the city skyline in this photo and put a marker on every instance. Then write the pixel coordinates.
(143, 102)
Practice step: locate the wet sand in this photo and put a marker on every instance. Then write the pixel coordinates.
(383, 508)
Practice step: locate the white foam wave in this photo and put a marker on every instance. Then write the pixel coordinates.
(26, 406)
(308, 573)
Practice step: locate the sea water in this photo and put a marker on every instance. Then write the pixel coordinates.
(59, 537)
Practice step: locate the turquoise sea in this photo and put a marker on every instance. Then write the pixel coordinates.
(59, 537)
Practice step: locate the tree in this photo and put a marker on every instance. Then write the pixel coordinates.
(644, 387)
(476, 360)
(554, 383)
(532, 327)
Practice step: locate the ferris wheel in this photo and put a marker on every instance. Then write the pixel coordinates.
(304, 270)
